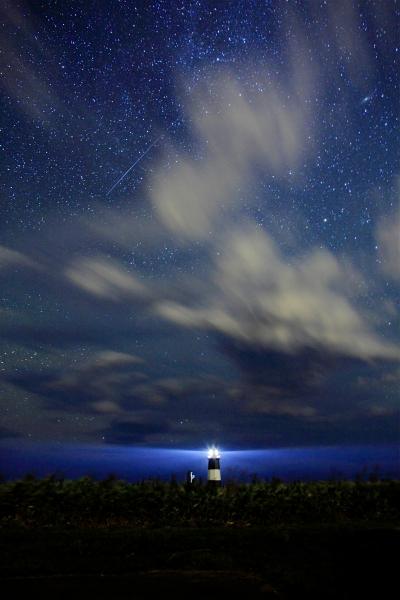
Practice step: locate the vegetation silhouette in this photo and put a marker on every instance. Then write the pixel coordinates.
(57, 502)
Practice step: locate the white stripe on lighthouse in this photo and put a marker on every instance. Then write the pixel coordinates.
(214, 475)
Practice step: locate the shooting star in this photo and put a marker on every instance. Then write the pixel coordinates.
(137, 161)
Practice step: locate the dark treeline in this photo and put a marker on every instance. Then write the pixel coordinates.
(56, 502)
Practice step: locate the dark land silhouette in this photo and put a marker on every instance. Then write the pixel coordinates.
(112, 539)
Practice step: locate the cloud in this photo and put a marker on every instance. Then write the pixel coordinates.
(253, 430)
(6, 433)
(386, 380)
(105, 279)
(273, 399)
(241, 132)
(133, 432)
(94, 385)
(106, 407)
(285, 304)
(101, 381)
(32, 92)
(110, 358)
(346, 36)
(11, 258)
(388, 238)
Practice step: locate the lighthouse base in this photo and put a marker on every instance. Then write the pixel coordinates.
(214, 483)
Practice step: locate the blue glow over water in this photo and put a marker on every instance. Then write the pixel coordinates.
(136, 463)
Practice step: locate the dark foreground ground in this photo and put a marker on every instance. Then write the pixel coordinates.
(307, 561)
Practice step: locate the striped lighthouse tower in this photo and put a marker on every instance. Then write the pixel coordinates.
(214, 469)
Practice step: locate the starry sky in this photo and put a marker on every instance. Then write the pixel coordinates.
(199, 223)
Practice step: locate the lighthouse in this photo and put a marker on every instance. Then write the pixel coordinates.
(214, 469)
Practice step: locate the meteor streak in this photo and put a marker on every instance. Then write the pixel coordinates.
(136, 162)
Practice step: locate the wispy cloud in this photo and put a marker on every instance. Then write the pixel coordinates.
(104, 278)
(13, 258)
(388, 238)
(241, 131)
(264, 299)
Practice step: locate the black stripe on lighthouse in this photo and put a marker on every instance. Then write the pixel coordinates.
(213, 463)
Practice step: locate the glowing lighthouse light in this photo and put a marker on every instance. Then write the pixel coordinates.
(214, 469)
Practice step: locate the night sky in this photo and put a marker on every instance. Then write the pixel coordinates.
(199, 225)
